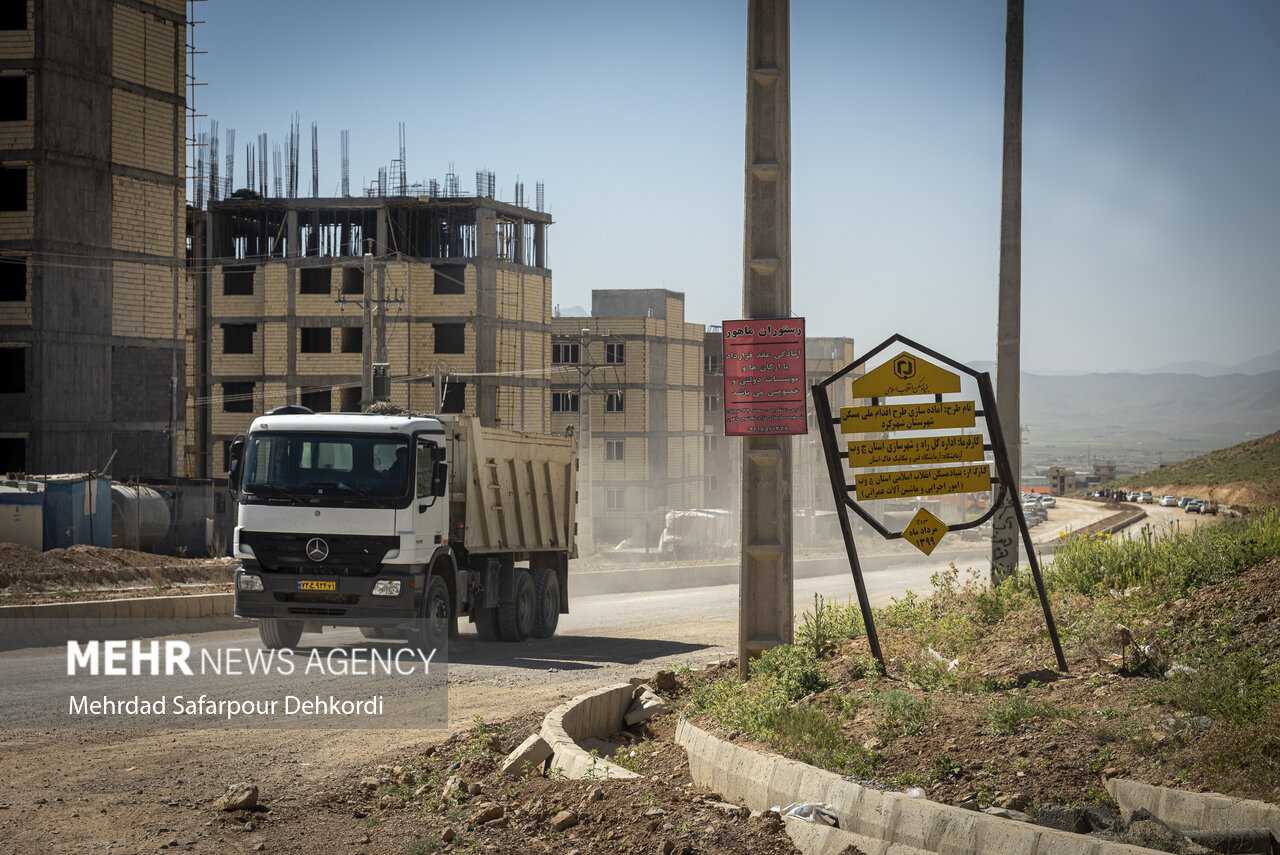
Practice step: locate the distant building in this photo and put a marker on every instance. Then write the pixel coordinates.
(1104, 471)
(92, 178)
(300, 296)
(1062, 480)
(629, 378)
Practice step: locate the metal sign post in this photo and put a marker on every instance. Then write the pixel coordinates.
(915, 456)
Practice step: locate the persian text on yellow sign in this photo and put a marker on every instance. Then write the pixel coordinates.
(901, 484)
(886, 418)
(925, 449)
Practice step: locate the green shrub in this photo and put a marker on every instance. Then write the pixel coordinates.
(795, 670)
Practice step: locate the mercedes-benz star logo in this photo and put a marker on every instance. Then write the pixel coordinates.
(317, 549)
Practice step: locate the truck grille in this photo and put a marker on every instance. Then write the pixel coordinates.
(343, 554)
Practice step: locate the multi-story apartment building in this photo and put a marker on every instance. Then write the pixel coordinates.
(629, 378)
(299, 297)
(92, 111)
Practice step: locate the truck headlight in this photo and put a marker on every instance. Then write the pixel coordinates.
(385, 588)
(249, 582)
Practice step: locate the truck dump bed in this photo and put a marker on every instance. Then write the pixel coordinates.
(516, 492)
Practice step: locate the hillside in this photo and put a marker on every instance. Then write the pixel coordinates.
(1247, 474)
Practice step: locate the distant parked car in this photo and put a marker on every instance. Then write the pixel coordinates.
(1132, 496)
(1048, 502)
(1167, 501)
(1145, 498)
(1193, 506)
(1182, 502)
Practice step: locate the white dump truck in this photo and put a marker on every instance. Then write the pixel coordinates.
(401, 524)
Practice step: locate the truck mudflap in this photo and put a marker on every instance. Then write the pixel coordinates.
(329, 599)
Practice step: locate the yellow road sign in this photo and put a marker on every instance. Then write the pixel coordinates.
(925, 531)
(894, 417)
(905, 483)
(905, 374)
(925, 449)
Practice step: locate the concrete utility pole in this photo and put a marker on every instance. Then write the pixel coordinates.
(765, 590)
(1004, 532)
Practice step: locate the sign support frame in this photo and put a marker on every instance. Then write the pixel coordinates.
(841, 488)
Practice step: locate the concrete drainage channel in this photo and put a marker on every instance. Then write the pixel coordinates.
(889, 823)
(876, 822)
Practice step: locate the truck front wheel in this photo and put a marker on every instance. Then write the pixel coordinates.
(276, 633)
(546, 595)
(431, 629)
(515, 619)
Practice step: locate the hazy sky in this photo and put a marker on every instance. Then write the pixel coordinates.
(1151, 153)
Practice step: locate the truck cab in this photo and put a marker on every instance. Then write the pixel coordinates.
(343, 518)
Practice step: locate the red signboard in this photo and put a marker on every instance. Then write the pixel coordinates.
(764, 389)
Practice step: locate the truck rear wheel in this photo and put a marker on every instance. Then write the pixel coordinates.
(276, 633)
(431, 629)
(515, 619)
(546, 596)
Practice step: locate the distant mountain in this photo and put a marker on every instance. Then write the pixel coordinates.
(1260, 365)
(1153, 410)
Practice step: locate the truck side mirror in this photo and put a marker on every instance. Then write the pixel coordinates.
(439, 474)
(235, 468)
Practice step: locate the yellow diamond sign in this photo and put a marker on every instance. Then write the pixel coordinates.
(924, 531)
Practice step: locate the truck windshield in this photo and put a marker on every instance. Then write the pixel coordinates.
(326, 468)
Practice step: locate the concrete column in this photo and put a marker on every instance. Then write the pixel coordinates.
(1004, 531)
(765, 591)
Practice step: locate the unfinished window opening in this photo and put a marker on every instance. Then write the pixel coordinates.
(13, 188)
(615, 500)
(13, 454)
(352, 280)
(450, 278)
(614, 449)
(614, 402)
(238, 338)
(711, 442)
(352, 340)
(315, 340)
(318, 401)
(13, 15)
(349, 399)
(237, 281)
(564, 402)
(13, 278)
(313, 280)
(713, 363)
(451, 338)
(454, 399)
(237, 397)
(564, 354)
(13, 370)
(615, 353)
(13, 99)
(712, 404)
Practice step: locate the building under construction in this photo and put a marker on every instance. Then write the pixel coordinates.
(92, 107)
(305, 300)
(629, 377)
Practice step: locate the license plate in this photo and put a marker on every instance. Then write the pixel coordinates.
(316, 585)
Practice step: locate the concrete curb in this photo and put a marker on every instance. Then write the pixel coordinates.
(1203, 811)
(177, 607)
(762, 780)
(596, 713)
(56, 623)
